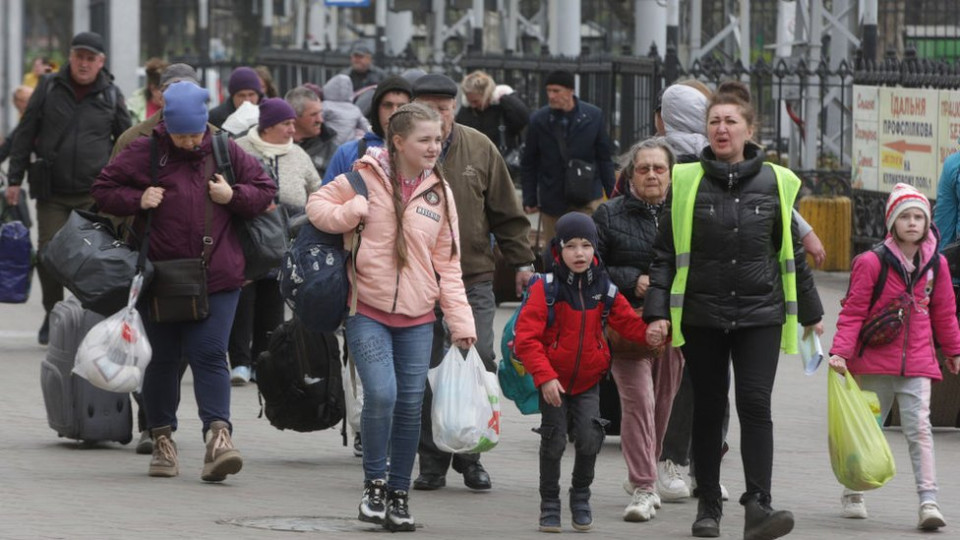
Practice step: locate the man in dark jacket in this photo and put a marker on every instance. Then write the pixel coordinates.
(315, 137)
(362, 72)
(71, 123)
(244, 85)
(565, 130)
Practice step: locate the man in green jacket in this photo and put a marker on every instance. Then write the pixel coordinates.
(487, 204)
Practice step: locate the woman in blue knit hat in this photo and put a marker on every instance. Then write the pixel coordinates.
(193, 212)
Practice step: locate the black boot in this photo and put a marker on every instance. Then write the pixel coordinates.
(765, 523)
(582, 517)
(709, 512)
(550, 515)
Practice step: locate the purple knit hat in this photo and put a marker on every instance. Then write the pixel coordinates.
(273, 111)
(244, 78)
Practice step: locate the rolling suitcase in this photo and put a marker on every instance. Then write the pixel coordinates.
(75, 408)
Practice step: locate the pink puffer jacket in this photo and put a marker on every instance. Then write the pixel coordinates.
(932, 311)
(414, 289)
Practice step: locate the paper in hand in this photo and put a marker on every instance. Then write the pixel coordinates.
(811, 352)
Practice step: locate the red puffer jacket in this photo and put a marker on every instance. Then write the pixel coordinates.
(573, 349)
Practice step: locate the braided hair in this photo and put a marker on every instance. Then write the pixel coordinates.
(402, 123)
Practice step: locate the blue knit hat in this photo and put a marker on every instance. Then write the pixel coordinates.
(244, 78)
(185, 108)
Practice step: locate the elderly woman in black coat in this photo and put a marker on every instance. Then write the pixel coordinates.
(647, 379)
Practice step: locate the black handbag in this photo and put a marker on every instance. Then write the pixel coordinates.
(179, 289)
(263, 238)
(88, 257)
(579, 177)
(40, 177)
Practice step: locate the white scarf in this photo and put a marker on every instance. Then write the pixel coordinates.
(268, 150)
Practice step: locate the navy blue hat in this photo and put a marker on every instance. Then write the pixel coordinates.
(185, 108)
(576, 225)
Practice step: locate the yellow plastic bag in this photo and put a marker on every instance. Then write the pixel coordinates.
(859, 452)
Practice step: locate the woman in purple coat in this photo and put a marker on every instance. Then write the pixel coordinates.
(186, 187)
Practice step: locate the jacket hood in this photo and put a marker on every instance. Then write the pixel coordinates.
(732, 172)
(928, 250)
(338, 88)
(393, 83)
(684, 110)
(686, 143)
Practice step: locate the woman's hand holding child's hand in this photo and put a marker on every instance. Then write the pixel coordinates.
(953, 364)
(657, 332)
(551, 391)
(838, 364)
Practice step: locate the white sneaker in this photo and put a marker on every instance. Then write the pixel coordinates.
(724, 494)
(630, 488)
(240, 375)
(853, 505)
(930, 517)
(670, 482)
(642, 507)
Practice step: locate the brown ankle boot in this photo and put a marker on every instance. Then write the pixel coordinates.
(221, 457)
(163, 463)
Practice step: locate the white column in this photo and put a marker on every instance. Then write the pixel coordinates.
(565, 24)
(511, 44)
(81, 16)
(696, 29)
(124, 53)
(811, 111)
(439, 24)
(11, 62)
(650, 18)
(317, 25)
(745, 44)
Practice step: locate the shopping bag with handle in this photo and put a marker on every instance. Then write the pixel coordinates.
(466, 404)
(859, 452)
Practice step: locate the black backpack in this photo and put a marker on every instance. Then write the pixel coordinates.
(299, 380)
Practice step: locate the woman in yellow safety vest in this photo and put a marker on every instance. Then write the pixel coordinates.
(729, 281)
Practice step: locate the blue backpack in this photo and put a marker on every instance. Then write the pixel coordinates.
(516, 384)
(313, 273)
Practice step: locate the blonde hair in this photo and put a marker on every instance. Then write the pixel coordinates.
(478, 82)
(402, 123)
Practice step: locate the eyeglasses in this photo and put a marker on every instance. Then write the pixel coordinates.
(645, 169)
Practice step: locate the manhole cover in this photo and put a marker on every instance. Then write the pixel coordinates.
(303, 524)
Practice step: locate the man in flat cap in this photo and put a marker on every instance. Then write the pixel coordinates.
(362, 72)
(568, 159)
(486, 204)
(71, 123)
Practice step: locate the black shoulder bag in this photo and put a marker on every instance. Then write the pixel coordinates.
(179, 289)
(578, 175)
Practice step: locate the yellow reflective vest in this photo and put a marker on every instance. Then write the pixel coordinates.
(686, 181)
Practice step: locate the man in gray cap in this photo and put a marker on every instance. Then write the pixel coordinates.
(171, 74)
(362, 72)
(71, 123)
(487, 204)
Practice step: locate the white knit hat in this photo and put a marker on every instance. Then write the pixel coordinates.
(902, 197)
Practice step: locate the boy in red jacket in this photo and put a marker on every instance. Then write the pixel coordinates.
(563, 347)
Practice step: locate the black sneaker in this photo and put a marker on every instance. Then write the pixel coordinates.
(398, 513)
(357, 446)
(373, 506)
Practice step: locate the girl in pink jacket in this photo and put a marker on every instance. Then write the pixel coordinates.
(905, 367)
(408, 260)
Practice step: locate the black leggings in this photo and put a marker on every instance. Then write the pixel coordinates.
(755, 353)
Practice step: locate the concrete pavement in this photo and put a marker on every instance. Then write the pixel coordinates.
(55, 488)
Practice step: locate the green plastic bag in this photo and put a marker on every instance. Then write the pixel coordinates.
(859, 452)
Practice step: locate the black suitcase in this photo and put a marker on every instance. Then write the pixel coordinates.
(75, 408)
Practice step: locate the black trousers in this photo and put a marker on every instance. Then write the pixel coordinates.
(259, 312)
(754, 353)
(580, 414)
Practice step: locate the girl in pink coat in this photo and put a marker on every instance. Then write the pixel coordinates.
(905, 367)
(408, 260)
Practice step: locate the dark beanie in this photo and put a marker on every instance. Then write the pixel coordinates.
(185, 108)
(393, 83)
(576, 225)
(244, 78)
(561, 77)
(273, 111)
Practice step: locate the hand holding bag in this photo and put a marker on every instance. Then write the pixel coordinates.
(179, 289)
(466, 404)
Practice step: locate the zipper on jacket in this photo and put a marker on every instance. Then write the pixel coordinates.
(396, 293)
(583, 327)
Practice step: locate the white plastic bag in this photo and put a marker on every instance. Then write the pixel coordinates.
(466, 404)
(811, 351)
(245, 117)
(115, 353)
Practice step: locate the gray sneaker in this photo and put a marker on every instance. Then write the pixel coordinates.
(145, 444)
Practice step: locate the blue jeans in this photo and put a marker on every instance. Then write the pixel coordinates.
(392, 364)
(204, 344)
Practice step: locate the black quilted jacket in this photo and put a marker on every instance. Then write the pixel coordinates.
(734, 280)
(627, 228)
